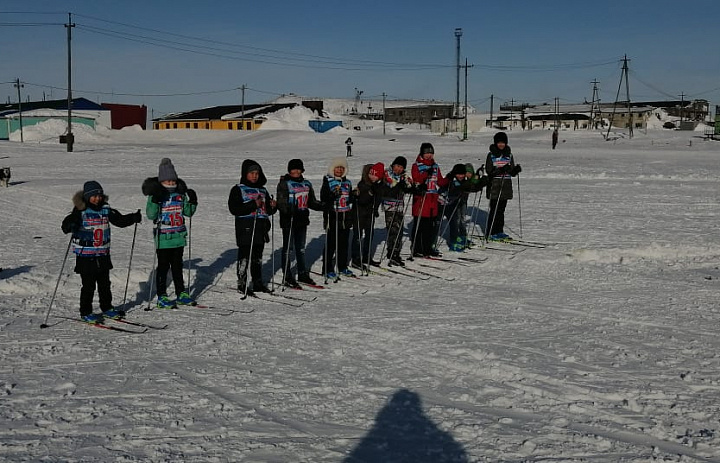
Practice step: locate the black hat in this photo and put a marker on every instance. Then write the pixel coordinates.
(400, 161)
(500, 137)
(92, 188)
(296, 164)
(426, 148)
(458, 169)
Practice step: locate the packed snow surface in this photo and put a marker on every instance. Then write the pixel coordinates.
(603, 346)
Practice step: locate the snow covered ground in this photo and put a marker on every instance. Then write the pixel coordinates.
(602, 347)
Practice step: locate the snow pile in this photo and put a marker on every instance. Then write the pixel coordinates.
(295, 118)
(50, 130)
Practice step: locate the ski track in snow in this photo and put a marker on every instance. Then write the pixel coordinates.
(601, 347)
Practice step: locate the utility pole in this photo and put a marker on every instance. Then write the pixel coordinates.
(595, 98)
(512, 103)
(682, 106)
(492, 104)
(627, 92)
(557, 113)
(69, 138)
(458, 34)
(18, 85)
(383, 95)
(465, 125)
(242, 104)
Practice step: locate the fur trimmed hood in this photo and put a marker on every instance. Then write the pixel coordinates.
(79, 201)
(151, 186)
(337, 162)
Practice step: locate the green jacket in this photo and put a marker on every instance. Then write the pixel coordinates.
(152, 209)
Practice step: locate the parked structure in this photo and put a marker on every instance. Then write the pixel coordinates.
(232, 117)
(418, 114)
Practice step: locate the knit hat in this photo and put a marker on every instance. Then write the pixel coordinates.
(253, 168)
(426, 148)
(378, 169)
(296, 164)
(92, 188)
(166, 171)
(469, 168)
(457, 169)
(500, 137)
(400, 161)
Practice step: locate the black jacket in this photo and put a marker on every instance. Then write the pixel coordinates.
(248, 229)
(288, 212)
(73, 222)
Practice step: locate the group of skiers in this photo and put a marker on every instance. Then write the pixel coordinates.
(345, 208)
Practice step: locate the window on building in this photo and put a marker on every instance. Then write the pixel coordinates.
(195, 125)
(229, 125)
(207, 125)
(239, 126)
(248, 126)
(174, 125)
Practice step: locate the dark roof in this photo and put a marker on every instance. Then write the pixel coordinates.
(78, 103)
(217, 112)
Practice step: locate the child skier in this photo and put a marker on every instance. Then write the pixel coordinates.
(89, 222)
(169, 202)
(251, 204)
(398, 183)
(500, 167)
(426, 207)
(338, 218)
(295, 198)
(462, 182)
(368, 197)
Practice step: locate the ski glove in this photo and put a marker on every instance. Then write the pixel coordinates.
(137, 216)
(516, 170)
(192, 196)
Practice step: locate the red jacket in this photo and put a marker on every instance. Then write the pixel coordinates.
(427, 172)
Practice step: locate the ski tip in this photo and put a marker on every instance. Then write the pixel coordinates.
(43, 325)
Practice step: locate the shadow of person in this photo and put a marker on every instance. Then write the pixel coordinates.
(11, 272)
(403, 433)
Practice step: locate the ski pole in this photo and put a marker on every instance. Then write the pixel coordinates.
(153, 272)
(398, 237)
(497, 203)
(272, 252)
(447, 225)
(520, 205)
(189, 252)
(476, 212)
(326, 250)
(249, 257)
(57, 284)
(286, 249)
(127, 280)
(417, 226)
(359, 240)
(337, 244)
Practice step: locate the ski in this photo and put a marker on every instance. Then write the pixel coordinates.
(414, 273)
(294, 298)
(430, 274)
(519, 243)
(141, 325)
(103, 326)
(275, 298)
(473, 259)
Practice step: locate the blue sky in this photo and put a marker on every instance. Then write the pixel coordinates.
(199, 53)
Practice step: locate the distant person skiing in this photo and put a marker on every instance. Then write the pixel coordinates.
(348, 146)
(554, 138)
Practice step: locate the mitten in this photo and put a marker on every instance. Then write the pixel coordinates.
(192, 196)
